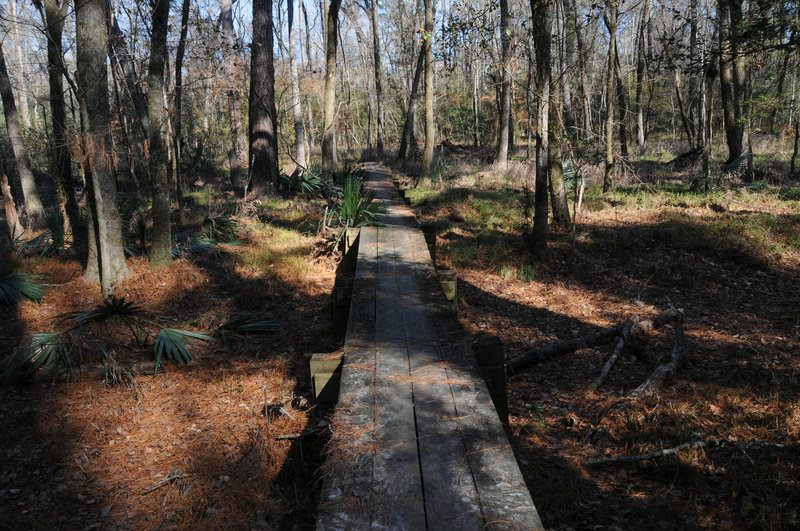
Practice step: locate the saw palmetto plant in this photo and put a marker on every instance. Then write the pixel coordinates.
(17, 287)
(97, 330)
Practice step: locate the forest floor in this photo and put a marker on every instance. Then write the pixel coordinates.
(730, 259)
(191, 448)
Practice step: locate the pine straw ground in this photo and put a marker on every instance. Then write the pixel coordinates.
(740, 289)
(86, 455)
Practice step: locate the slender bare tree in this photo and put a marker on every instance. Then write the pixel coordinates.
(329, 156)
(430, 124)
(33, 204)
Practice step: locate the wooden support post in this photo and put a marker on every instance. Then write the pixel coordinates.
(326, 370)
(490, 355)
(350, 238)
(449, 282)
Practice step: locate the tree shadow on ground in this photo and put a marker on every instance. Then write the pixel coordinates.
(237, 472)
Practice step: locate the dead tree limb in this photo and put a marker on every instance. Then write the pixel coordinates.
(601, 336)
(665, 370)
(564, 347)
(623, 337)
(713, 443)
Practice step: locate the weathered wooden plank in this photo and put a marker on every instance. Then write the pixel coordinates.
(504, 497)
(397, 504)
(345, 503)
(450, 494)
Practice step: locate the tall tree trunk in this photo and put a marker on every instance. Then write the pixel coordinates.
(237, 156)
(311, 136)
(297, 110)
(542, 15)
(263, 127)
(641, 72)
(779, 98)
(329, 155)
(476, 107)
(585, 96)
(407, 138)
(731, 113)
(501, 158)
(430, 125)
(19, 72)
(123, 58)
(53, 13)
(687, 127)
(10, 210)
(161, 250)
(376, 64)
(108, 264)
(622, 97)
(33, 204)
(794, 165)
(177, 119)
(558, 192)
(563, 73)
(610, 18)
(692, 97)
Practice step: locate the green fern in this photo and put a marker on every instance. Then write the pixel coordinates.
(16, 287)
(172, 344)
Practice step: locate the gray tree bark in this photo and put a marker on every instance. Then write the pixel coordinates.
(407, 143)
(91, 35)
(297, 111)
(33, 204)
(237, 155)
(177, 117)
(372, 8)
(263, 131)
(53, 13)
(501, 158)
(542, 11)
(19, 72)
(329, 156)
(161, 250)
(610, 18)
(430, 124)
(641, 72)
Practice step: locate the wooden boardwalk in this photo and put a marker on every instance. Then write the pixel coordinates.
(417, 443)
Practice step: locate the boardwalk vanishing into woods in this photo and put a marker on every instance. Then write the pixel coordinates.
(417, 442)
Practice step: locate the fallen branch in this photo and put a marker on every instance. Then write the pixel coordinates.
(175, 474)
(685, 446)
(623, 337)
(563, 347)
(666, 370)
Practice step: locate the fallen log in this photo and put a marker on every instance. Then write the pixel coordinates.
(563, 347)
